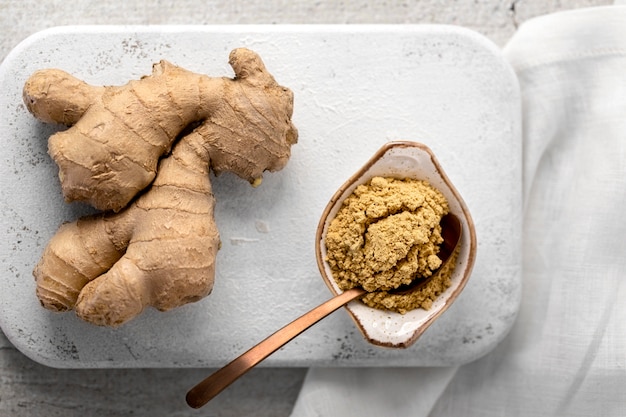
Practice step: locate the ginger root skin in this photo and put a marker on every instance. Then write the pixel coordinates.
(118, 133)
(153, 246)
(159, 251)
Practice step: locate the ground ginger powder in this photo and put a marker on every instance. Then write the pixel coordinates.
(385, 236)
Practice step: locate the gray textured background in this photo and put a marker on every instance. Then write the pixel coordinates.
(29, 389)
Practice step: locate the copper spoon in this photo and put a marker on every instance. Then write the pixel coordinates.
(206, 390)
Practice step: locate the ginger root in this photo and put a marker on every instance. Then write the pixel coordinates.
(152, 246)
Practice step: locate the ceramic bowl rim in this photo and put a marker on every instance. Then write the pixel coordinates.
(335, 199)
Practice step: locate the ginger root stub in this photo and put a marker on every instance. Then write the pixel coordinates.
(387, 235)
(156, 242)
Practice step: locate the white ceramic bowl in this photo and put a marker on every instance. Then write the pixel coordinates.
(401, 160)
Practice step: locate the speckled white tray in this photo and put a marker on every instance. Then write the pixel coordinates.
(356, 87)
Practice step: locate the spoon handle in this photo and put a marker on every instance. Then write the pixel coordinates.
(204, 391)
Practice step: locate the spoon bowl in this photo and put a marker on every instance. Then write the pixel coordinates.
(401, 160)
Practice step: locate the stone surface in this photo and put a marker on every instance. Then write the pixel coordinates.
(445, 86)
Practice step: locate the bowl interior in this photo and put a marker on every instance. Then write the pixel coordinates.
(401, 160)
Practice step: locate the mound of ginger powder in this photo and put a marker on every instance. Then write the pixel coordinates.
(386, 235)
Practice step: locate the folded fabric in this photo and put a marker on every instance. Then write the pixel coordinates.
(566, 354)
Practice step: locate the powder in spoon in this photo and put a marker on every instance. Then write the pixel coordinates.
(385, 235)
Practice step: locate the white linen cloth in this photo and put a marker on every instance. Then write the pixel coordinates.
(566, 354)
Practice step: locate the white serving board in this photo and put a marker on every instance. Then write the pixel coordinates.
(355, 87)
